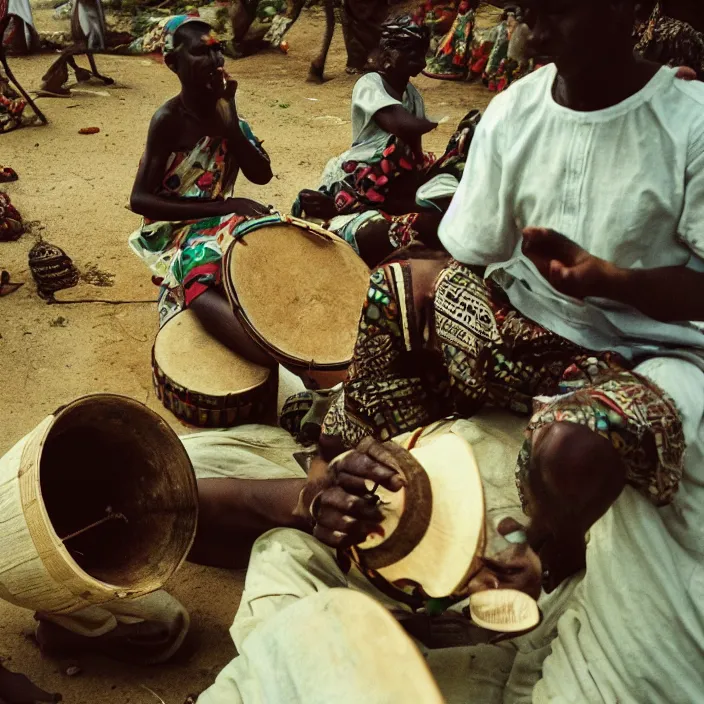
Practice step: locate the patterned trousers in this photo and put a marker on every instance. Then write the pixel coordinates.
(479, 350)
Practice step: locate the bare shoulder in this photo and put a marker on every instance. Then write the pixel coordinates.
(166, 120)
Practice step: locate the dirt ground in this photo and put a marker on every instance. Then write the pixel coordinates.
(77, 189)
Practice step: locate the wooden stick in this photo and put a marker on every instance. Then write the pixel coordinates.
(109, 517)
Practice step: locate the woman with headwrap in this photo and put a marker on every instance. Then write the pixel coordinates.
(196, 147)
(383, 168)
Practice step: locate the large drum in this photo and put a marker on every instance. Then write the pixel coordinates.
(99, 502)
(435, 533)
(298, 290)
(204, 383)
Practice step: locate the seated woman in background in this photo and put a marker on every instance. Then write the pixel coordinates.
(387, 192)
(368, 195)
(196, 146)
(451, 25)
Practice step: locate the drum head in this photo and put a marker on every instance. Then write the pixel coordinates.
(447, 501)
(190, 356)
(299, 293)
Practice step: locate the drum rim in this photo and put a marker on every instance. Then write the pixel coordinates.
(284, 358)
(44, 532)
(392, 589)
(411, 527)
(229, 394)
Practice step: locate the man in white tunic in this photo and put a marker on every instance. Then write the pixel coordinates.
(608, 151)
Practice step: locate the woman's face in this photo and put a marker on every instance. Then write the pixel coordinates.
(406, 62)
(200, 63)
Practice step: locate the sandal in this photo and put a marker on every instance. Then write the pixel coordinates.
(7, 174)
(6, 287)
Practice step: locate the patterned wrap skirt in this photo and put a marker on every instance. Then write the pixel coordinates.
(478, 349)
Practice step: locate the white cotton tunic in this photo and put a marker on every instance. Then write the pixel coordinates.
(626, 183)
(368, 97)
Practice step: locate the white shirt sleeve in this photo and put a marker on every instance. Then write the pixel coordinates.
(479, 227)
(416, 104)
(368, 97)
(691, 226)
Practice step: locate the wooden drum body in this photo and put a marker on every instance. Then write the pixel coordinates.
(298, 290)
(436, 533)
(204, 383)
(99, 502)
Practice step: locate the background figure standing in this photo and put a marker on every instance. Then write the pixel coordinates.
(19, 36)
(88, 31)
(361, 27)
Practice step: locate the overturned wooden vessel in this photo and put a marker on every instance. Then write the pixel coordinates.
(98, 502)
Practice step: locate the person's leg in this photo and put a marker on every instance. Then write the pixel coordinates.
(394, 383)
(53, 80)
(146, 630)
(377, 238)
(583, 447)
(94, 68)
(82, 74)
(286, 567)
(361, 27)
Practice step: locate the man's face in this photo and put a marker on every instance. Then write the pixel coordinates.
(576, 34)
(201, 63)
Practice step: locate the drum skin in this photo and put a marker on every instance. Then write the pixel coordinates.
(184, 355)
(298, 290)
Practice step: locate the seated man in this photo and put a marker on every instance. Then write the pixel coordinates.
(584, 324)
(196, 146)
(288, 566)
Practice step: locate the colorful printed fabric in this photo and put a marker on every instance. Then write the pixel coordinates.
(671, 42)
(450, 52)
(11, 226)
(499, 51)
(636, 417)
(483, 351)
(401, 230)
(11, 106)
(367, 184)
(185, 257)
(381, 397)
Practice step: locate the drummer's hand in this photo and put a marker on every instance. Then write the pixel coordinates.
(245, 206)
(317, 205)
(343, 512)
